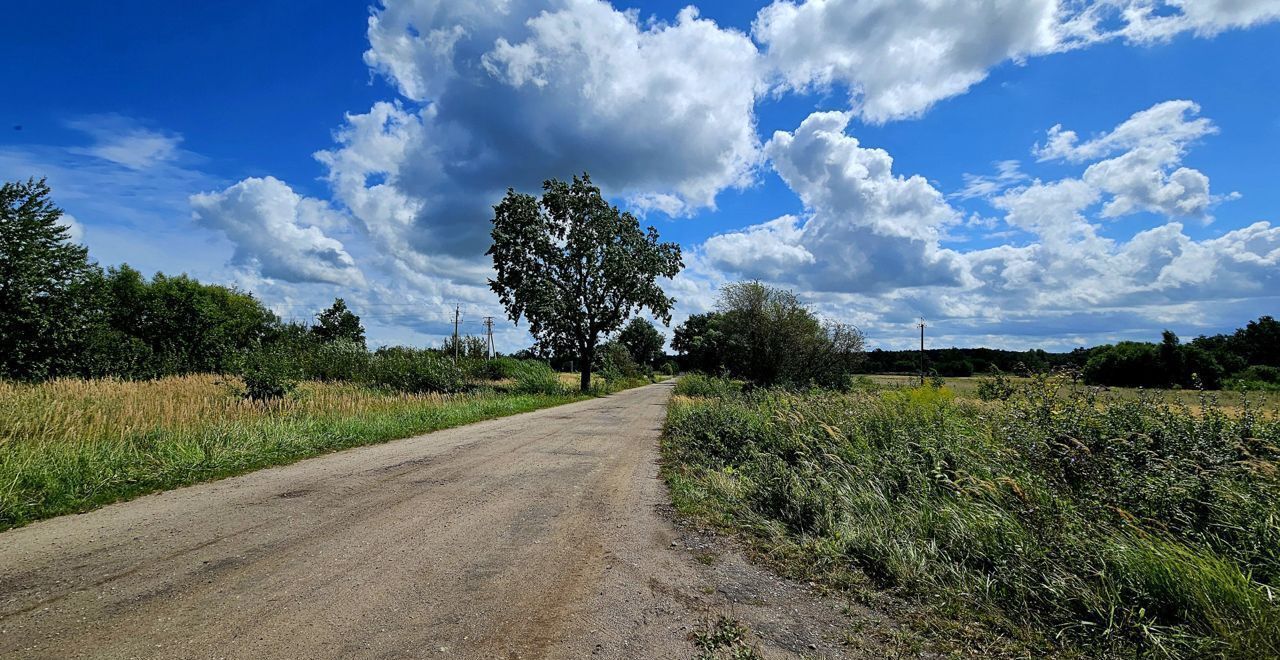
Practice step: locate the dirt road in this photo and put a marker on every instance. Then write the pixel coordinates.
(538, 535)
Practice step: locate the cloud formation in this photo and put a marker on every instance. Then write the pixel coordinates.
(896, 58)
(277, 232)
(866, 228)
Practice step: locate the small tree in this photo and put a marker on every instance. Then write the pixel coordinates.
(338, 323)
(643, 341)
(576, 267)
(48, 287)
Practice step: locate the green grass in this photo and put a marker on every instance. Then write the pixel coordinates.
(70, 446)
(1048, 524)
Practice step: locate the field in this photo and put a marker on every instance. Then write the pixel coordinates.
(1058, 522)
(1227, 400)
(71, 445)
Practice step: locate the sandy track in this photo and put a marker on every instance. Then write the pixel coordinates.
(537, 535)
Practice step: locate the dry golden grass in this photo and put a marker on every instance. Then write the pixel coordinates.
(73, 410)
(71, 445)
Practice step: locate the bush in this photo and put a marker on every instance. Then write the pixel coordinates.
(1257, 377)
(996, 387)
(338, 360)
(702, 385)
(534, 377)
(268, 375)
(414, 370)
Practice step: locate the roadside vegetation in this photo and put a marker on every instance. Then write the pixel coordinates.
(113, 384)
(1017, 516)
(1056, 521)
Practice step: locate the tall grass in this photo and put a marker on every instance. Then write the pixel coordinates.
(70, 445)
(1110, 528)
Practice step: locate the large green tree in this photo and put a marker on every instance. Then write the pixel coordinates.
(576, 267)
(47, 285)
(642, 341)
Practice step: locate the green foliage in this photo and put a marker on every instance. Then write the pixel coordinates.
(700, 343)
(46, 286)
(465, 347)
(334, 360)
(615, 361)
(413, 370)
(576, 267)
(269, 374)
(1257, 377)
(534, 377)
(770, 338)
(170, 325)
(702, 385)
(996, 387)
(670, 368)
(1106, 527)
(338, 324)
(643, 341)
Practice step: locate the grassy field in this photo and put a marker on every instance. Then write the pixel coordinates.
(72, 445)
(1048, 524)
(1226, 400)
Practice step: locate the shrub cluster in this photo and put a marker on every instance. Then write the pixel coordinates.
(1115, 527)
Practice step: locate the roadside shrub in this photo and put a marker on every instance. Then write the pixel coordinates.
(337, 360)
(670, 368)
(414, 370)
(996, 387)
(702, 385)
(1257, 377)
(534, 377)
(268, 375)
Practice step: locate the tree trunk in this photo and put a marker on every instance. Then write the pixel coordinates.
(588, 358)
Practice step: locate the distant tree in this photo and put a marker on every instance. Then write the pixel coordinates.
(47, 285)
(1259, 342)
(475, 348)
(338, 324)
(1171, 358)
(1128, 364)
(576, 267)
(643, 341)
(700, 343)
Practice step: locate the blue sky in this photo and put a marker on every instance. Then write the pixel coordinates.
(886, 160)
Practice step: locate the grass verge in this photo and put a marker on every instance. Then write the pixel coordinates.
(73, 445)
(1041, 525)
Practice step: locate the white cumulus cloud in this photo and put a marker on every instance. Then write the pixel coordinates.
(277, 232)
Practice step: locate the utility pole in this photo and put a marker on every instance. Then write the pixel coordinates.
(488, 329)
(457, 317)
(921, 326)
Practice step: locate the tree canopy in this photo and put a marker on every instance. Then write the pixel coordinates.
(576, 267)
(642, 341)
(46, 284)
(766, 335)
(337, 323)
